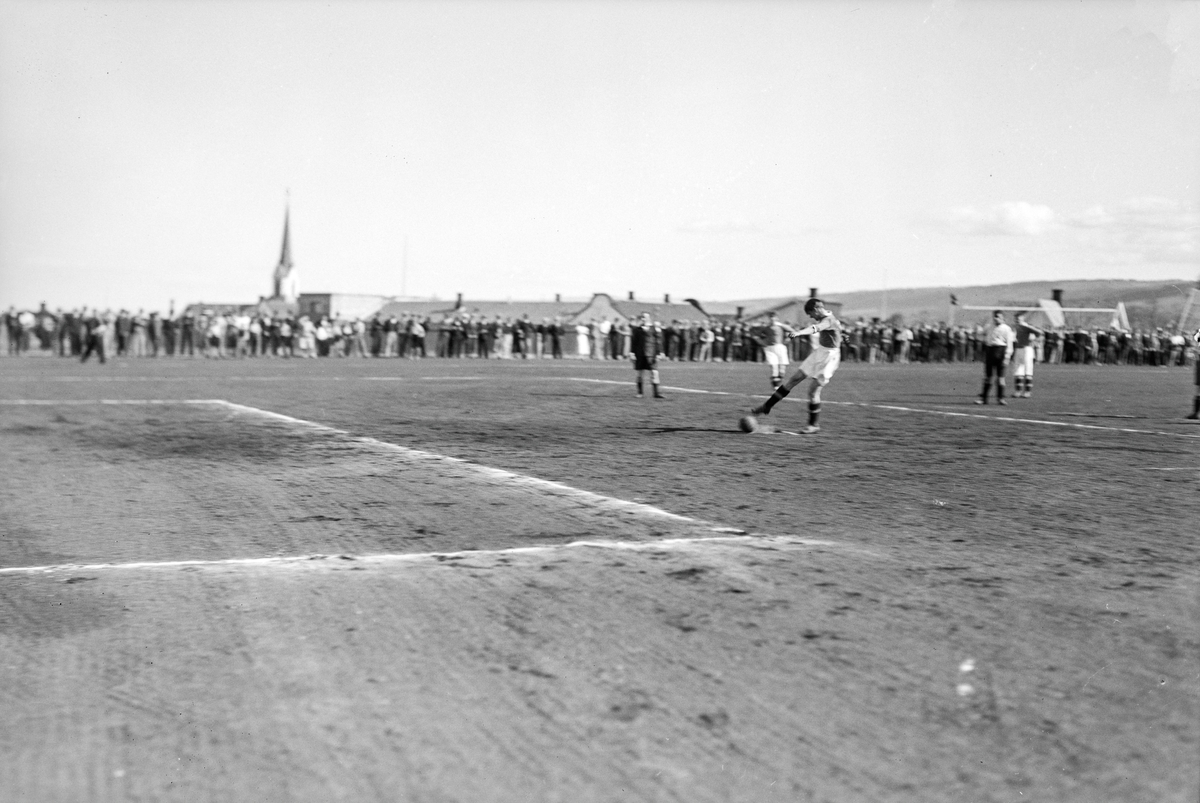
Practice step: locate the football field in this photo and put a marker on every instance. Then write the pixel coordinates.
(460, 580)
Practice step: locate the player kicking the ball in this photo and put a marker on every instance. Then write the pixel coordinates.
(818, 366)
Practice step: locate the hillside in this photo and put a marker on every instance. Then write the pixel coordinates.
(1147, 303)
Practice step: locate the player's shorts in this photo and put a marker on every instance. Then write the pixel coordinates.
(821, 364)
(643, 363)
(994, 361)
(1023, 361)
(776, 355)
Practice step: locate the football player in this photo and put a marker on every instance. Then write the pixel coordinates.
(826, 338)
(998, 341)
(1023, 357)
(645, 344)
(775, 348)
(1195, 416)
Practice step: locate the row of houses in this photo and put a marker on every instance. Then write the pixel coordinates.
(601, 306)
(1047, 313)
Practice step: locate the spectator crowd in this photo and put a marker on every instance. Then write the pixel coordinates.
(213, 334)
(887, 342)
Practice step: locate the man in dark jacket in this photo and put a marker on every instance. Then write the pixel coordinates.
(645, 343)
(96, 328)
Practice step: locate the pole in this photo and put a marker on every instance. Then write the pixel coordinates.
(883, 299)
(404, 270)
(1187, 307)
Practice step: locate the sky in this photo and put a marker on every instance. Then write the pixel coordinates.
(716, 150)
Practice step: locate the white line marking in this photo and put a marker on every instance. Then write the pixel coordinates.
(1097, 415)
(671, 388)
(247, 378)
(421, 378)
(1011, 419)
(522, 480)
(899, 408)
(57, 402)
(185, 378)
(398, 557)
(557, 488)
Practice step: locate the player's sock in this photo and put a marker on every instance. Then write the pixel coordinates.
(776, 397)
(814, 410)
(1028, 386)
(1000, 391)
(639, 385)
(1195, 407)
(987, 386)
(657, 394)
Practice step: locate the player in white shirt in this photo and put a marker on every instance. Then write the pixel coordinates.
(241, 323)
(826, 338)
(998, 340)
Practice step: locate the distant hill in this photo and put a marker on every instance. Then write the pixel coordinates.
(1149, 304)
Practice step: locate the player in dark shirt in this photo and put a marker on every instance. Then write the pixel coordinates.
(646, 341)
(96, 329)
(1195, 416)
(1023, 355)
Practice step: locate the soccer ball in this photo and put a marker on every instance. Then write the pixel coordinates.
(748, 424)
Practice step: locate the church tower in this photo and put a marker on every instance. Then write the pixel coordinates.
(286, 284)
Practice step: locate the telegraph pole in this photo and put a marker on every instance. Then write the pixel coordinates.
(404, 269)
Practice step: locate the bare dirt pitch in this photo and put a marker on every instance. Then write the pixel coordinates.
(464, 581)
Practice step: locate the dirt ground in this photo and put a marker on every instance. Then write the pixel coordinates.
(383, 580)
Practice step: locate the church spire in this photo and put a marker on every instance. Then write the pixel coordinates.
(283, 271)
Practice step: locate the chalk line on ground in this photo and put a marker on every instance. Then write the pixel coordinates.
(521, 480)
(258, 378)
(557, 488)
(901, 408)
(410, 557)
(59, 402)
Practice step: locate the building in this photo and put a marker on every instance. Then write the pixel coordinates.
(631, 309)
(340, 305)
(790, 309)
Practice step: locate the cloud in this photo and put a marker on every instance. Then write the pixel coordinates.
(1137, 231)
(1016, 218)
(718, 227)
(1095, 217)
(1140, 230)
(738, 226)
